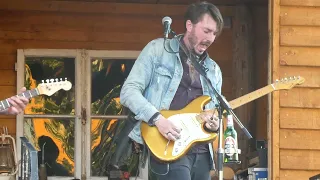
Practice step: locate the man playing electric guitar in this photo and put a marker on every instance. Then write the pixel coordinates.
(163, 78)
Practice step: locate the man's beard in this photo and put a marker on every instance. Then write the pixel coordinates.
(192, 42)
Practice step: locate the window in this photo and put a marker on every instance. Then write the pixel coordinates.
(76, 127)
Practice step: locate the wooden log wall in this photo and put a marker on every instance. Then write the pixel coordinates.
(296, 113)
(113, 26)
(90, 25)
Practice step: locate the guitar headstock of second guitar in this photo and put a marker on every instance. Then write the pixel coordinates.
(51, 86)
(288, 83)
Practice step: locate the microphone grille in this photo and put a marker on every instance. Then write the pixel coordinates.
(168, 19)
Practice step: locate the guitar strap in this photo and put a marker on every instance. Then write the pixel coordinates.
(122, 141)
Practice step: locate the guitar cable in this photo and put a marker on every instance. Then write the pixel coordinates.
(162, 174)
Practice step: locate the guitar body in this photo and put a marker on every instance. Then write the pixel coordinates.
(192, 127)
(192, 132)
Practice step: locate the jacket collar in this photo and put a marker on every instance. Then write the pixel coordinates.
(175, 46)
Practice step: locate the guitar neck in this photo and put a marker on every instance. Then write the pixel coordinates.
(251, 96)
(4, 104)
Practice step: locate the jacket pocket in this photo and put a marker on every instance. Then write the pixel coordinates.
(160, 82)
(162, 71)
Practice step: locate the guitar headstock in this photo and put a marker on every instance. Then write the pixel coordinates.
(51, 86)
(288, 83)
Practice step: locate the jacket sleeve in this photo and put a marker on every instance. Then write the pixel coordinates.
(219, 80)
(131, 95)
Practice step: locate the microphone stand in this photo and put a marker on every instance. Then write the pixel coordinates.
(223, 105)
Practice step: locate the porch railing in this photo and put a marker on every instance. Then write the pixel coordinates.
(29, 161)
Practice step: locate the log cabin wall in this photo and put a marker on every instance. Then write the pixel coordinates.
(296, 117)
(87, 25)
(115, 26)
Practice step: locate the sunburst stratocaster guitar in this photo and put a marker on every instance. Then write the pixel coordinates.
(50, 87)
(192, 129)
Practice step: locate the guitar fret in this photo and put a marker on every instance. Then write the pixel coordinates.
(30, 94)
(8, 104)
(2, 106)
(34, 92)
(22, 94)
(37, 92)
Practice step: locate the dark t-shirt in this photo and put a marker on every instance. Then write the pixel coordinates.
(189, 89)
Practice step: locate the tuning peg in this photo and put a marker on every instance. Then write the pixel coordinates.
(42, 81)
(47, 80)
(277, 80)
(65, 79)
(57, 80)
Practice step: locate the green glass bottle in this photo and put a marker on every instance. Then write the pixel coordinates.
(230, 142)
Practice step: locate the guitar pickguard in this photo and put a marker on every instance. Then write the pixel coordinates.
(191, 131)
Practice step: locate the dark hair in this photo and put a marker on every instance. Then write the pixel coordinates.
(196, 11)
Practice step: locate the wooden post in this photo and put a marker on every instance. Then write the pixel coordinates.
(243, 74)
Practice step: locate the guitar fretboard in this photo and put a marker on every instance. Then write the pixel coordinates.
(251, 96)
(4, 104)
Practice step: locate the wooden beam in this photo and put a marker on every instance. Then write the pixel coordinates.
(273, 130)
(289, 138)
(217, 2)
(297, 174)
(100, 7)
(181, 2)
(311, 75)
(300, 56)
(7, 91)
(300, 98)
(300, 118)
(312, 3)
(9, 122)
(7, 62)
(11, 46)
(308, 16)
(242, 72)
(299, 36)
(300, 159)
(8, 77)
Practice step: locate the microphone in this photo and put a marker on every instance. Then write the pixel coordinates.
(166, 21)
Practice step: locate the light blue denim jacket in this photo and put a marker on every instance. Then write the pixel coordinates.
(154, 80)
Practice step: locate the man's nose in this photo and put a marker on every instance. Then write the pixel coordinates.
(211, 38)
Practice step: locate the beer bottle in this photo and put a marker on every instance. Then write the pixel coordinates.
(230, 142)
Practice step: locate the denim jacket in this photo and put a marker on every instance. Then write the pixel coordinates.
(154, 80)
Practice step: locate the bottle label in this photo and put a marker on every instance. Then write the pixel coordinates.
(230, 146)
(229, 121)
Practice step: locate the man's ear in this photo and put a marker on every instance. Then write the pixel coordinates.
(189, 26)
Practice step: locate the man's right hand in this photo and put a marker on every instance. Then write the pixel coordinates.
(168, 129)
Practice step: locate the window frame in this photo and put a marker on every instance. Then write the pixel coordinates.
(82, 101)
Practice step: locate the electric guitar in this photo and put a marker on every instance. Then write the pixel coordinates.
(192, 126)
(50, 87)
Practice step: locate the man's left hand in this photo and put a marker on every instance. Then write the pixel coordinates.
(211, 120)
(18, 104)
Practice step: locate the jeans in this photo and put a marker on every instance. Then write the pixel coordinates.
(195, 166)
